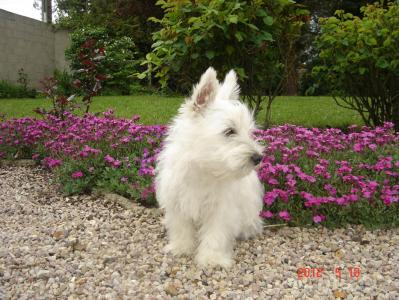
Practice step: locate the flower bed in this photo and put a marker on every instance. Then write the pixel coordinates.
(327, 176)
(86, 153)
(311, 176)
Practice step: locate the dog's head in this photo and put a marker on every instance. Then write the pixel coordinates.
(218, 128)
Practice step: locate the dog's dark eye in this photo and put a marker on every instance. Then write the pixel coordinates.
(229, 131)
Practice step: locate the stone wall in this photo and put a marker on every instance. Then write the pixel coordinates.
(32, 45)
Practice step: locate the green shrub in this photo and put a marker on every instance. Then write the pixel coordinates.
(255, 38)
(9, 90)
(65, 84)
(120, 17)
(360, 61)
(119, 63)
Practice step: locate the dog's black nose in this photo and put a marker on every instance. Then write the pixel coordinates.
(256, 158)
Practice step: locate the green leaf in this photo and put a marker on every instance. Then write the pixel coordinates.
(238, 36)
(395, 63)
(266, 36)
(229, 49)
(192, 20)
(197, 38)
(371, 41)
(210, 54)
(233, 19)
(241, 73)
(362, 71)
(252, 26)
(382, 63)
(261, 13)
(387, 42)
(268, 20)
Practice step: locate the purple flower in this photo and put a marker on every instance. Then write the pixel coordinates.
(109, 159)
(284, 215)
(266, 214)
(270, 197)
(51, 162)
(272, 181)
(318, 218)
(372, 147)
(330, 189)
(77, 174)
(358, 147)
(116, 163)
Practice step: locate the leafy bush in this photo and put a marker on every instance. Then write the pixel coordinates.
(119, 17)
(61, 89)
(311, 176)
(59, 101)
(65, 83)
(9, 90)
(255, 38)
(139, 89)
(360, 61)
(119, 62)
(20, 90)
(91, 74)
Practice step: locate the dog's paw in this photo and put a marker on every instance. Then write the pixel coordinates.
(252, 230)
(213, 258)
(179, 249)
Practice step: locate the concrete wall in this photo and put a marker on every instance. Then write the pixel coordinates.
(32, 45)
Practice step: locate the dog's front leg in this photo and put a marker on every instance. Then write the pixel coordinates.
(216, 242)
(181, 233)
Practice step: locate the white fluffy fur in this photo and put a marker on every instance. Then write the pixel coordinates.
(205, 178)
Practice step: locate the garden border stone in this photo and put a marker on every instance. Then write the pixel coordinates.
(17, 163)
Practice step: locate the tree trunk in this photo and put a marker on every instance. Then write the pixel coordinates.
(268, 110)
(47, 11)
(291, 83)
(395, 114)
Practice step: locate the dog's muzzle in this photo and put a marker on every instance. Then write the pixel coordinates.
(256, 159)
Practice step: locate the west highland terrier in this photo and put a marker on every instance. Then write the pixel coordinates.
(205, 179)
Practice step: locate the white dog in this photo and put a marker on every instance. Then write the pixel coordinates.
(205, 177)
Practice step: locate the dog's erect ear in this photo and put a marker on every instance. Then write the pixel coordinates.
(205, 91)
(230, 88)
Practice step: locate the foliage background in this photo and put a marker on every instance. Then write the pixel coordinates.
(359, 58)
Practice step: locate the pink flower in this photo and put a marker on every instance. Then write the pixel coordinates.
(373, 147)
(284, 215)
(116, 163)
(51, 162)
(318, 218)
(270, 197)
(83, 154)
(272, 181)
(266, 214)
(77, 174)
(109, 159)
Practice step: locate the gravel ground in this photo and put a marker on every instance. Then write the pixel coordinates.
(89, 247)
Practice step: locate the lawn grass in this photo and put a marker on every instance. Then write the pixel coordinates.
(304, 111)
